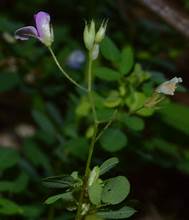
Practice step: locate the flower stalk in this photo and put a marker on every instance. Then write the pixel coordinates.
(93, 140)
(64, 73)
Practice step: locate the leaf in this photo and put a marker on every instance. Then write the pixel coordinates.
(113, 100)
(93, 217)
(127, 60)
(43, 122)
(124, 212)
(135, 101)
(113, 140)
(63, 181)
(159, 144)
(83, 107)
(63, 196)
(32, 211)
(21, 183)
(176, 115)
(36, 155)
(16, 186)
(55, 114)
(8, 158)
(7, 207)
(6, 186)
(109, 50)
(95, 192)
(108, 165)
(8, 81)
(133, 122)
(77, 147)
(115, 190)
(107, 74)
(105, 114)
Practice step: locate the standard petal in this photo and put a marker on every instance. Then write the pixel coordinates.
(42, 20)
(25, 33)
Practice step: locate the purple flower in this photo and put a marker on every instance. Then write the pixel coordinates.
(76, 59)
(43, 30)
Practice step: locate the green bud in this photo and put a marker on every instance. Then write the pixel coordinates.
(101, 32)
(95, 51)
(89, 35)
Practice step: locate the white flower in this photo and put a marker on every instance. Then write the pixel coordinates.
(168, 87)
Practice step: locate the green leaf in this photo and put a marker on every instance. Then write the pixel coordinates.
(36, 155)
(122, 213)
(83, 107)
(171, 114)
(7, 207)
(104, 114)
(16, 186)
(109, 50)
(127, 60)
(8, 81)
(6, 186)
(136, 101)
(113, 100)
(107, 74)
(21, 183)
(43, 122)
(93, 217)
(159, 144)
(63, 196)
(108, 165)
(113, 140)
(77, 147)
(63, 181)
(115, 190)
(133, 122)
(8, 158)
(32, 211)
(95, 192)
(55, 113)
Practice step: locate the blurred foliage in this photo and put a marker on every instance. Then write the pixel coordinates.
(34, 92)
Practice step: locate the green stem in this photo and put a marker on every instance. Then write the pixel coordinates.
(63, 72)
(90, 93)
(106, 126)
(92, 145)
(136, 110)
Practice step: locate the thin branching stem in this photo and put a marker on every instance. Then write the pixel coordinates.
(64, 73)
(106, 126)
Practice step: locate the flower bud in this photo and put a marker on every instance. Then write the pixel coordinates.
(101, 32)
(95, 51)
(89, 35)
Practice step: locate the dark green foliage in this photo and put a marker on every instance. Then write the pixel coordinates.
(131, 63)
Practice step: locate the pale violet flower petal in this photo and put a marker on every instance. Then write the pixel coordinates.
(43, 26)
(25, 33)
